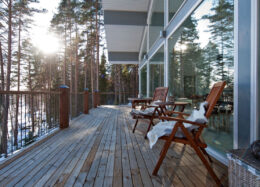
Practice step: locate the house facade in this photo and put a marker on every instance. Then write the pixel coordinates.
(187, 45)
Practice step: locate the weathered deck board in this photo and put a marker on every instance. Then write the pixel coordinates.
(100, 149)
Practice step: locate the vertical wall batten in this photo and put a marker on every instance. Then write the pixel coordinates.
(254, 72)
(235, 126)
(243, 72)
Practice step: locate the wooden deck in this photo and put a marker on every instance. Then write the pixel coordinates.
(100, 149)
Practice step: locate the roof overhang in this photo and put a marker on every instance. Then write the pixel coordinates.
(125, 22)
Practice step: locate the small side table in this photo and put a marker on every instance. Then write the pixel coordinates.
(137, 101)
(163, 105)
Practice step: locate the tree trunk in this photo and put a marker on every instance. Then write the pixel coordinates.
(92, 63)
(76, 72)
(31, 97)
(18, 84)
(86, 63)
(115, 83)
(65, 56)
(2, 88)
(181, 71)
(71, 58)
(2, 68)
(119, 85)
(8, 77)
(97, 46)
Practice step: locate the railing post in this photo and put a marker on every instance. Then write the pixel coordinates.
(64, 106)
(86, 101)
(95, 99)
(98, 98)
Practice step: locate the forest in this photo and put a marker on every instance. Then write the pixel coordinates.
(30, 78)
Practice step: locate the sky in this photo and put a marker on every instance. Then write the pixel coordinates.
(41, 37)
(202, 26)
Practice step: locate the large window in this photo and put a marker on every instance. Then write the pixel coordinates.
(200, 54)
(156, 65)
(144, 81)
(156, 21)
(174, 6)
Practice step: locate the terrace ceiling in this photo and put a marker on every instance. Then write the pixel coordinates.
(125, 21)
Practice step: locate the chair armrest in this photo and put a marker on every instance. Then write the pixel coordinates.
(173, 112)
(140, 99)
(182, 121)
(165, 103)
(152, 106)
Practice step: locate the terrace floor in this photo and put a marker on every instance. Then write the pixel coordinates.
(100, 149)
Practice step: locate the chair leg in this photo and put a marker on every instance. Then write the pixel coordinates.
(165, 148)
(206, 164)
(135, 125)
(205, 153)
(162, 156)
(148, 129)
(201, 155)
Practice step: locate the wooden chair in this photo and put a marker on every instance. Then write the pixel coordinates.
(192, 138)
(160, 93)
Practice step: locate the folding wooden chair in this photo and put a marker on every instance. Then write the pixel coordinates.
(192, 138)
(160, 94)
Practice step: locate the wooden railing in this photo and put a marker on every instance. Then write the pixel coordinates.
(26, 117)
(33, 114)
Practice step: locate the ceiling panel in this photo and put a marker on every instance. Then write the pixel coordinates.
(126, 5)
(123, 38)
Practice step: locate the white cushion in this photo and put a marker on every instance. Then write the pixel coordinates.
(147, 111)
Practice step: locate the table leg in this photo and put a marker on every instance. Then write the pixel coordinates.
(182, 108)
(133, 105)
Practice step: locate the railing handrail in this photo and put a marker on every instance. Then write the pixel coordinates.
(30, 92)
(105, 93)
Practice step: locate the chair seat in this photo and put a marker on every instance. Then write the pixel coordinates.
(164, 129)
(147, 116)
(146, 112)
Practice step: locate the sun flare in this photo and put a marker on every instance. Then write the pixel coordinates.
(47, 43)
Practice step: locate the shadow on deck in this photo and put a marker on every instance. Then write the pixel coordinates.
(99, 149)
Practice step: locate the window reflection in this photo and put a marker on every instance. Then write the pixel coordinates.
(174, 6)
(200, 54)
(156, 70)
(144, 81)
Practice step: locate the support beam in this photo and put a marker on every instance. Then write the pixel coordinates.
(124, 18)
(123, 56)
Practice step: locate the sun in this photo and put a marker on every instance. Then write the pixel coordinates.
(47, 43)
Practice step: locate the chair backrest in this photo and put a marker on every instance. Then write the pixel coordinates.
(213, 96)
(160, 93)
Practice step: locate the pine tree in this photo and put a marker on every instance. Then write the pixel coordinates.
(210, 54)
(8, 77)
(185, 59)
(23, 13)
(103, 74)
(221, 29)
